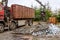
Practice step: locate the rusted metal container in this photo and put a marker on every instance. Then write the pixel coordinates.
(52, 20)
(19, 11)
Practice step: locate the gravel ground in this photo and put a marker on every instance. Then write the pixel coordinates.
(6, 36)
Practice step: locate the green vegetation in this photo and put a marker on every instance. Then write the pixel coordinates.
(58, 17)
(48, 14)
(38, 14)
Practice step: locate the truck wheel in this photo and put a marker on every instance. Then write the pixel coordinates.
(1, 28)
(12, 26)
(30, 22)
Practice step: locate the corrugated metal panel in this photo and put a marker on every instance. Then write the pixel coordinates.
(19, 11)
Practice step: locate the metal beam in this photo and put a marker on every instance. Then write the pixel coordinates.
(40, 3)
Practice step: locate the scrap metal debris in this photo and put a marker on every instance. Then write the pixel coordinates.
(32, 29)
(39, 29)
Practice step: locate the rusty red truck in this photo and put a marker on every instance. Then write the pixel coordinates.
(10, 16)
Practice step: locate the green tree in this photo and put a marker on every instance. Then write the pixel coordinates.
(38, 12)
(48, 11)
(48, 14)
(58, 17)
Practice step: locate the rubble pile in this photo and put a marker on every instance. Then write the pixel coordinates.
(40, 28)
(25, 30)
(54, 29)
(41, 31)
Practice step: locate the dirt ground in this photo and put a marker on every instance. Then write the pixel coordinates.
(9, 36)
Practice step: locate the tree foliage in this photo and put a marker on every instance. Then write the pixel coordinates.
(38, 14)
(48, 14)
(58, 17)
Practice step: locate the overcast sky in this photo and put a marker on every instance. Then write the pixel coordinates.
(54, 4)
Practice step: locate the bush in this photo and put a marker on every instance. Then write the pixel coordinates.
(38, 14)
(58, 17)
(48, 14)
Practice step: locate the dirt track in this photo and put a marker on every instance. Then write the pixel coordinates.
(6, 36)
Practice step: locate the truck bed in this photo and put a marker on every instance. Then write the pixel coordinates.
(20, 12)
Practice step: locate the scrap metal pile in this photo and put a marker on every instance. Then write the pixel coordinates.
(39, 29)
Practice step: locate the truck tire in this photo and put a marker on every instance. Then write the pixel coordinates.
(30, 23)
(1, 28)
(12, 26)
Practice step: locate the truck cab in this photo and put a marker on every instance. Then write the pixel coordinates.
(1, 17)
(1, 12)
